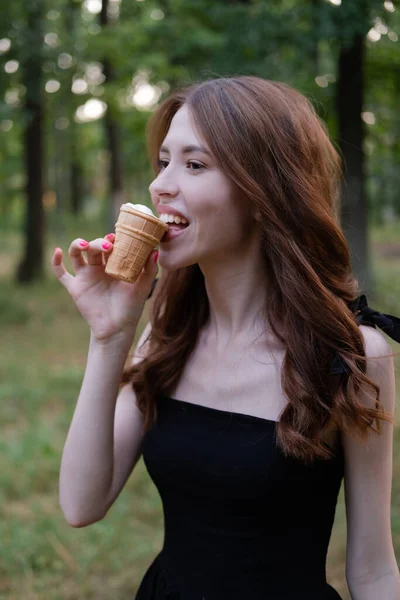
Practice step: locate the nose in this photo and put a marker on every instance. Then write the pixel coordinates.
(163, 186)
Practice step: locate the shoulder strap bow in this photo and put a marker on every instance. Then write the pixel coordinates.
(368, 316)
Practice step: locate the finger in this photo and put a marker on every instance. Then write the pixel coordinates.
(106, 255)
(151, 264)
(145, 280)
(97, 248)
(59, 270)
(75, 253)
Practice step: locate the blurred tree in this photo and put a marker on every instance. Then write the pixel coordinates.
(352, 24)
(76, 178)
(383, 118)
(113, 137)
(104, 66)
(348, 25)
(31, 266)
(350, 99)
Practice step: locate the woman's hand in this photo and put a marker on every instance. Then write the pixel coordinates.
(110, 306)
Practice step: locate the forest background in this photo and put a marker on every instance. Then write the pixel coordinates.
(78, 82)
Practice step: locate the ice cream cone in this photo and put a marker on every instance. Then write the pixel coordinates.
(136, 236)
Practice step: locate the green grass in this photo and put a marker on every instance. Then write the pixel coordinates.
(41, 367)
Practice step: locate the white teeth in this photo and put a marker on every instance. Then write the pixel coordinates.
(172, 219)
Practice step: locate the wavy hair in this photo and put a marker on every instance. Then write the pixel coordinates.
(268, 140)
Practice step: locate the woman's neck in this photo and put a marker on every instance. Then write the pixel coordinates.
(237, 289)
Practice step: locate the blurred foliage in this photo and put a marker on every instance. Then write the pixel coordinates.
(167, 43)
(12, 312)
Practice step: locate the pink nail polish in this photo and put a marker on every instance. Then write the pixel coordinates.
(156, 257)
(110, 236)
(83, 243)
(106, 245)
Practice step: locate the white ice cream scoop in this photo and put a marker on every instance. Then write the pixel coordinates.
(140, 207)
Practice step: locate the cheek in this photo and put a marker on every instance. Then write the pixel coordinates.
(220, 233)
(217, 217)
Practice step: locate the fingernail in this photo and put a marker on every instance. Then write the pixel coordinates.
(106, 245)
(83, 243)
(156, 257)
(56, 248)
(110, 235)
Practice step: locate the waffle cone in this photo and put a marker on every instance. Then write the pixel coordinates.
(136, 236)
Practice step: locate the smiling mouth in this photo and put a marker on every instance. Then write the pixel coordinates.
(174, 229)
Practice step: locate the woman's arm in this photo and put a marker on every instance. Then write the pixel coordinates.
(104, 440)
(371, 568)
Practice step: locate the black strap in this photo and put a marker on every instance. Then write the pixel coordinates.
(153, 285)
(368, 316)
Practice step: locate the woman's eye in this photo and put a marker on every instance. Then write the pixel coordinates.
(162, 164)
(197, 166)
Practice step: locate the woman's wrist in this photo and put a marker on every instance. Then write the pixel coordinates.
(119, 342)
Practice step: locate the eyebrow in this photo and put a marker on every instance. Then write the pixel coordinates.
(188, 150)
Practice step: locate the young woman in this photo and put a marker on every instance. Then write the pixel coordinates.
(258, 383)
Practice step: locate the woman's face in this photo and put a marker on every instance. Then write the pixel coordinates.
(191, 182)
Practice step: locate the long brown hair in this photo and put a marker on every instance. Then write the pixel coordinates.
(268, 140)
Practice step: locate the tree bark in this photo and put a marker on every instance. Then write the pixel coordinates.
(31, 266)
(349, 104)
(76, 183)
(113, 143)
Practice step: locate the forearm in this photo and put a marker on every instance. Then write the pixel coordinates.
(385, 587)
(87, 461)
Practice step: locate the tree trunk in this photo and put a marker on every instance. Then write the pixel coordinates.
(76, 185)
(349, 102)
(31, 266)
(116, 193)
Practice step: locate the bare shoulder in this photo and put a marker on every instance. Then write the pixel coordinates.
(380, 364)
(375, 342)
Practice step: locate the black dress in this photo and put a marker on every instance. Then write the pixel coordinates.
(242, 521)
